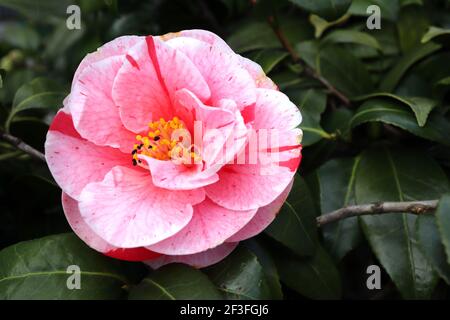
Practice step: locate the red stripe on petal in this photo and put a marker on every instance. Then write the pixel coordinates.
(133, 254)
(63, 123)
(153, 57)
(292, 164)
(132, 61)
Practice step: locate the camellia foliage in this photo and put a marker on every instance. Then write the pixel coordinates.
(371, 79)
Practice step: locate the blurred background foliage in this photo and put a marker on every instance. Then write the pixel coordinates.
(376, 127)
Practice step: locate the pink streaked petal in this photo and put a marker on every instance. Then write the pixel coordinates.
(85, 233)
(210, 226)
(257, 73)
(116, 47)
(146, 83)
(246, 187)
(197, 260)
(263, 218)
(221, 69)
(274, 110)
(172, 176)
(94, 113)
(73, 161)
(128, 211)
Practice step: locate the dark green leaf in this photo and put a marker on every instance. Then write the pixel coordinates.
(392, 79)
(37, 269)
(419, 105)
(268, 265)
(295, 225)
(339, 67)
(436, 34)
(328, 9)
(241, 276)
(269, 58)
(432, 247)
(389, 8)
(337, 190)
(40, 93)
(399, 175)
(175, 282)
(312, 104)
(314, 277)
(352, 36)
(443, 222)
(412, 25)
(391, 112)
(39, 10)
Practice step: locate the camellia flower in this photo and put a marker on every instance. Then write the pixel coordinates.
(154, 149)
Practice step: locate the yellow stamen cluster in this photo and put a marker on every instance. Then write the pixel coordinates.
(158, 142)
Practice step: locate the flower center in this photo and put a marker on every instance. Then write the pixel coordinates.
(164, 141)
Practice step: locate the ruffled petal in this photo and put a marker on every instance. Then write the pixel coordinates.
(209, 227)
(221, 68)
(197, 260)
(116, 47)
(146, 83)
(85, 233)
(263, 218)
(128, 211)
(73, 161)
(94, 113)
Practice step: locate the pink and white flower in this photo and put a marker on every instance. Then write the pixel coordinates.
(111, 149)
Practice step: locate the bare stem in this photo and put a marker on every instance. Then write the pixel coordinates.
(414, 207)
(19, 144)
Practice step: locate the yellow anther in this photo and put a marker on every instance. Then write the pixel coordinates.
(138, 137)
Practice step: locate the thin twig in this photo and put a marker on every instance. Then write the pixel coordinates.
(19, 144)
(414, 207)
(308, 70)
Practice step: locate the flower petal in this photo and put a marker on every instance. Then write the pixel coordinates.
(197, 260)
(147, 81)
(209, 227)
(274, 110)
(73, 161)
(128, 211)
(116, 47)
(221, 69)
(85, 233)
(246, 186)
(263, 218)
(94, 113)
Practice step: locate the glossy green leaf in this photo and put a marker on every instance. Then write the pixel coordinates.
(37, 269)
(352, 36)
(390, 112)
(337, 190)
(312, 104)
(412, 25)
(295, 225)
(40, 93)
(431, 245)
(327, 9)
(339, 67)
(389, 8)
(19, 35)
(241, 276)
(443, 222)
(419, 105)
(399, 175)
(175, 282)
(268, 265)
(392, 79)
(39, 10)
(269, 58)
(436, 34)
(315, 277)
